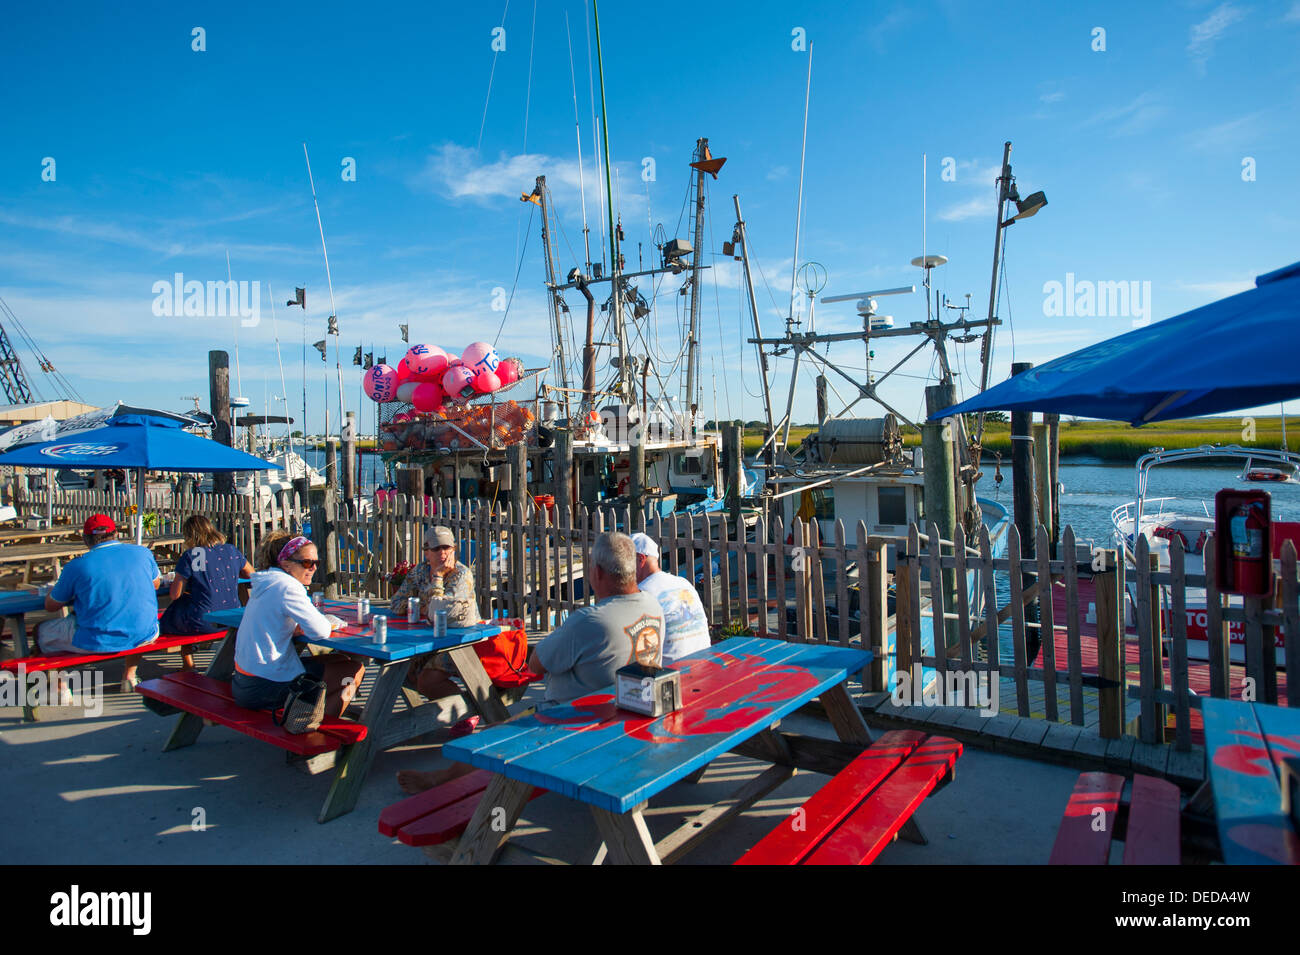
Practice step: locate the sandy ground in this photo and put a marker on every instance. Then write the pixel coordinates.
(231, 800)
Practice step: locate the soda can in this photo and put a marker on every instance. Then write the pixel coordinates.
(440, 623)
(381, 629)
(318, 599)
(365, 606)
(361, 611)
(413, 610)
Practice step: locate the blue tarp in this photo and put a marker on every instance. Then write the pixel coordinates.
(1239, 352)
(135, 441)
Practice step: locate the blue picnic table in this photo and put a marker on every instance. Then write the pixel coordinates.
(385, 728)
(615, 760)
(1245, 744)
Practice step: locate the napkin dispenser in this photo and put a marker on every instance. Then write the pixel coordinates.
(649, 690)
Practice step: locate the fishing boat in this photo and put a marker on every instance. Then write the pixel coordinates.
(1158, 521)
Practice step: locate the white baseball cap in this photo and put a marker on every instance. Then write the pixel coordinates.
(645, 545)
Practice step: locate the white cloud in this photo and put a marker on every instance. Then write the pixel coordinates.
(1055, 96)
(1217, 290)
(970, 209)
(1293, 15)
(1134, 116)
(1228, 133)
(1205, 34)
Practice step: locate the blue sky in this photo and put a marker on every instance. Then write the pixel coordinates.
(166, 158)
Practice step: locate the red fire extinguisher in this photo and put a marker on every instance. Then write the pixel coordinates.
(1247, 559)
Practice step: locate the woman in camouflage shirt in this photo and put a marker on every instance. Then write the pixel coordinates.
(439, 577)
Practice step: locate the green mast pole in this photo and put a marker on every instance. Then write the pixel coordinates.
(609, 193)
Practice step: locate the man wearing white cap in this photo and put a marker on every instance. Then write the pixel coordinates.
(684, 618)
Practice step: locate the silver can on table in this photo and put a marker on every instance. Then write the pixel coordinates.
(413, 610)
(381, 629)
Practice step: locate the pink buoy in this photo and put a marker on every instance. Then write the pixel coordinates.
(486, 382)
(510, 371)
(458, 383)
(403, 371)
(426, 362)
(481, 357)
(427, 396)
(380, 383)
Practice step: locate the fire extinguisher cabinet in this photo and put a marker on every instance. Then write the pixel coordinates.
(1243, 542)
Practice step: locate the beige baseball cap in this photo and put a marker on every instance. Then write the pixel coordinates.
(439, 537)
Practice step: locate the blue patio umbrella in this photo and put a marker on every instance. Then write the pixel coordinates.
(141, 441)
(1239, 352)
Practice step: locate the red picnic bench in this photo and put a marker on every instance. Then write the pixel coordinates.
(59, 661)
(439, 815)
(1149, 824)
(211, 699)
(865, 806)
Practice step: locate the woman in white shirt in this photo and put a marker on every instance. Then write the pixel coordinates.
(266, 658)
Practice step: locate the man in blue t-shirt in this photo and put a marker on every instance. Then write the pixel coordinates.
(113, 592)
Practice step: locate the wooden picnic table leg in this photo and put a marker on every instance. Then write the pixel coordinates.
(31, 714)
(480, 687)
(494, 819)
(627, 840)
(188, 725)
(353, 762)
(847, 719)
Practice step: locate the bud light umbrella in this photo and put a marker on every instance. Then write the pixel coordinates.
(1231, 354)
(133, 439)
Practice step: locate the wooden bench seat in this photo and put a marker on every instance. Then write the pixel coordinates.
(865, 806)
(60, 661)
(439, 814)
(211, 699)
(1149, 824)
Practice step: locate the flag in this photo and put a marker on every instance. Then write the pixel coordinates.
(299, 299)
(320, 347)
(535, 197)
(406, 332)
(382, 361)
(332, 326)
(356, 358)
(370, 360)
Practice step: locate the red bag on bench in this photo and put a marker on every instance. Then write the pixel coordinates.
(505, 659)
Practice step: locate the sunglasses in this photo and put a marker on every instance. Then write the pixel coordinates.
(307, 562)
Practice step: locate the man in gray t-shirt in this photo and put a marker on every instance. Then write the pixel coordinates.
(622, 627)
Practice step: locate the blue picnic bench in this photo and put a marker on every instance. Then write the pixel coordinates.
(614, 761)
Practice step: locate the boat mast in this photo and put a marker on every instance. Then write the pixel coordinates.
(554, 299)
(753, 311)
(615, 266)
(693, 335)
(986, 348)
(332, 327)
(798, 209)
(582, 186)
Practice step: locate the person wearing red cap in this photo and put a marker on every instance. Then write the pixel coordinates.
(113, 592)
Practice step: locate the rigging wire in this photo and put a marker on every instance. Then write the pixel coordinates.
(527, 234)
(483, 123)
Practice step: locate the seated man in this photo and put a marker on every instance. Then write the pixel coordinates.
(113, 590)
(623, 626)
(684, 618)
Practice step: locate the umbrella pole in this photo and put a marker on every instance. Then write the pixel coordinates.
(139, 506)
(49, 497)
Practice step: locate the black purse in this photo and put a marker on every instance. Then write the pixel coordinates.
(304, 706)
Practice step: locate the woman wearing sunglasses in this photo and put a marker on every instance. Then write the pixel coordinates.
(279, 609)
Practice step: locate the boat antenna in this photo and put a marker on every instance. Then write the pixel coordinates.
(239, 378)
(798, 211)
(577, 131)
(333, 326)
(288, 426)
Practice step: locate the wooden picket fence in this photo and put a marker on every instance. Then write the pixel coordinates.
(971, 646)
(234, 515)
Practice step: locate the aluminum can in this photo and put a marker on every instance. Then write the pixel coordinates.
(361, 611)
(318, 599)
(381, 629)
(413, 610)
(440, 622)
